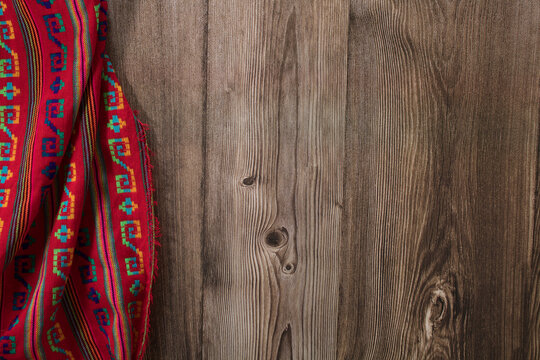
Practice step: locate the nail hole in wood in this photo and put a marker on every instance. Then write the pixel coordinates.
(250, 180)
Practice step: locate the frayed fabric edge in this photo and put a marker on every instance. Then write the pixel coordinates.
(142, 130)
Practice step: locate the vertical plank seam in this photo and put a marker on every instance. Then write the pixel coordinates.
(203, 184)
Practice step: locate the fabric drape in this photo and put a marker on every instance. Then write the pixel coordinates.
(77, 223)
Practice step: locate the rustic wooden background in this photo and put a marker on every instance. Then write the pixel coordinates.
(340, 179)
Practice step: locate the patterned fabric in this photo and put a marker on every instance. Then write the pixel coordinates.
(77, 225)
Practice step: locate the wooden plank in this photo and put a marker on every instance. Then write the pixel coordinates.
(440, 244)
(276, 116)
(158, 49)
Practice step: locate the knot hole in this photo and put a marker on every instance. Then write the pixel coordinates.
(248, 181)
(276, 238)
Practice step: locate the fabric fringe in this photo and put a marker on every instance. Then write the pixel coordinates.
(156, 231)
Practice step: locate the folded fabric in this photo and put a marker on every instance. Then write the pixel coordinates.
(77, 224)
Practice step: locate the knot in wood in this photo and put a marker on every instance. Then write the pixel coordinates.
(289, 268)
(439, 308)
(276, 238)
(248, 181)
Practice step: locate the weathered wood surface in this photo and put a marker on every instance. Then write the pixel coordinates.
(340, 179)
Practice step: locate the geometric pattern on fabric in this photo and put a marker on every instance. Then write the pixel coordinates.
(77, 224)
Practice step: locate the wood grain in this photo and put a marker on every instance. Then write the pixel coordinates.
(340, 179)
(442, 137)
(276, 106)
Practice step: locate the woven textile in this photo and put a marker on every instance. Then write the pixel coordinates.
(77, 225)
